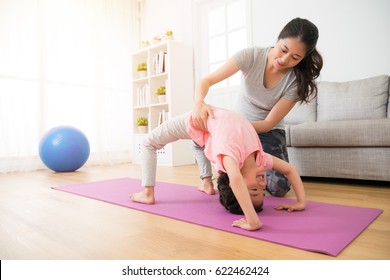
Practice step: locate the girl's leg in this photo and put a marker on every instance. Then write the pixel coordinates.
(170, 131)
(274, 143)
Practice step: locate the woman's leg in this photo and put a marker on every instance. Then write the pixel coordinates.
(202, 161)
(274, 143)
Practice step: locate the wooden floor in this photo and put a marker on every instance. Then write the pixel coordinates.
(39, 223)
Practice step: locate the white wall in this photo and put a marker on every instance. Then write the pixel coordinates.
(162, 15)
(354, 34)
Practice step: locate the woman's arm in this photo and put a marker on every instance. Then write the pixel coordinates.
(296, 183)
(277, 113)
(202, 110)
(240, 190)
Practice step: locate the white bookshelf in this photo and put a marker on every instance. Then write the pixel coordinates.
(174, 69)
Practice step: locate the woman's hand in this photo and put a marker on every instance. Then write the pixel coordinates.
(242, 223)
(202, 111)
(200, 114)
(291, 207)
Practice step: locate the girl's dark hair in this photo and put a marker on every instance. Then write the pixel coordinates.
(227, 198)
(310, 66)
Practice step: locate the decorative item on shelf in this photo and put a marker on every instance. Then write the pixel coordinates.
(168, 35)
(145, 43)
(161, 94)
(142, 123)
(156, 39)
(142, 68)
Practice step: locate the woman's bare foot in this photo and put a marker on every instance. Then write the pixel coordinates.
(207, 186)
(146, 196)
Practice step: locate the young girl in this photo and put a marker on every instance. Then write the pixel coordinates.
(232, 145)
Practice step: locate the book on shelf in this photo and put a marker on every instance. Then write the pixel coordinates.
(159, 62)
(162, 117)
(143, 98)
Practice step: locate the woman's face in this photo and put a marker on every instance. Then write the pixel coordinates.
(288, 53)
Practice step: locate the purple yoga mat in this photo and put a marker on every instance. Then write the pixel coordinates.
(322, 227)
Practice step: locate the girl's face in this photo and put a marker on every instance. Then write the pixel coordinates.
(256, 183)
(287, 53)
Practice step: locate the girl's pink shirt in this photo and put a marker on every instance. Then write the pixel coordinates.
(229, 133)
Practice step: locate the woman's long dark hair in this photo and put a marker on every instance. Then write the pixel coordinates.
(310, 66)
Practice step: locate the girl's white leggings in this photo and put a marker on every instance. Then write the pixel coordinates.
(168, 132)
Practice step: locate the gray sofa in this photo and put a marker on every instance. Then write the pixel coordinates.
(344, 132)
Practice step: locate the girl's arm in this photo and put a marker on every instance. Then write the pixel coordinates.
(202, 110)
(296, 183)
(240, 190)
(277, 113)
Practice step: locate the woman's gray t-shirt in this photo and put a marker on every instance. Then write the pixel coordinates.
(255, 101)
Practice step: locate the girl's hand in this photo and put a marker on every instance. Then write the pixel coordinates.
(242, 223)
(291, 207)
(200, 114)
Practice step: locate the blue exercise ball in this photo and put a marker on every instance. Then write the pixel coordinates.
(64, 149)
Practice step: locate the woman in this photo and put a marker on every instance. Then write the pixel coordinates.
(274, 79)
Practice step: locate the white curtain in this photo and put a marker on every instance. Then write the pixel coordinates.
(65, 62)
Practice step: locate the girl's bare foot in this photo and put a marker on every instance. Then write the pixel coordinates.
(146, 196)
(207, 186)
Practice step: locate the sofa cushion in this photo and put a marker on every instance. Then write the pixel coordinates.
(357, 133)
(302, 112)
(354, 100)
